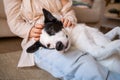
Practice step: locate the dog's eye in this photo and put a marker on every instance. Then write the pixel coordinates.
(48, 45)
(66, 36)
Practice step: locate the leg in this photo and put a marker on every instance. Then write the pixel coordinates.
(96, 43)
(103, 52)
(90, 70)
(111, 34)
(113, 76)
(57, 64)
(70, 66)
(86, 68)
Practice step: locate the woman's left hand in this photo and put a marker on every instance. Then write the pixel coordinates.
(67, 23)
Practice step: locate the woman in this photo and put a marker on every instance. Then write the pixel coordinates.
(26, 20)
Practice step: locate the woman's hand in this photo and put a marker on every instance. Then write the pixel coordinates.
(36, 31)
(67, 23)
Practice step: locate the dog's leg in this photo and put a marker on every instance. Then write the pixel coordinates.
(114, 32)
(105, 55)
(102, 52)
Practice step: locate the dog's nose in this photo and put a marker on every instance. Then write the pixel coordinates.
(59, 46)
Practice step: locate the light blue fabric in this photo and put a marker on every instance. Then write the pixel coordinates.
(73, 65)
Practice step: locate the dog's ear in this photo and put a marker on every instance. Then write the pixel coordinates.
(48, 16)
(34, 47)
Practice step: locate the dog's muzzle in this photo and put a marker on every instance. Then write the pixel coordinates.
(60, 46)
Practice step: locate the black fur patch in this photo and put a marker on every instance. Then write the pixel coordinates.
(52, 25)
(34, 47)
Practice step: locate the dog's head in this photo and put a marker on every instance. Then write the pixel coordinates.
(53, 36)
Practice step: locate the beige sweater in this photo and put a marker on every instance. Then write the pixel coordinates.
(22, 15)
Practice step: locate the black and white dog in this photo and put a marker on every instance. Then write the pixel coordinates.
(82, 37)
(53, 35)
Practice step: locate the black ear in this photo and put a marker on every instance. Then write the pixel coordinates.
(34, 47)
(48, 16)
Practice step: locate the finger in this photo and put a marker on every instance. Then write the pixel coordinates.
(65, 22)
(73, 25)
(39, 32)
(34, 35)
(62, 19)
(69, 24)
(36, 39)
(39, 26)
(36, 30)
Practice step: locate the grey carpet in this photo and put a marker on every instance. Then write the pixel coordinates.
(9, 70)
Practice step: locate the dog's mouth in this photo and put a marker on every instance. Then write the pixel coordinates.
(67, 45)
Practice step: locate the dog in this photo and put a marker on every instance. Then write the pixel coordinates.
(82, 37)
(53, 35)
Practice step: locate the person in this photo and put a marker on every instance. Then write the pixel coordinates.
(26, 20)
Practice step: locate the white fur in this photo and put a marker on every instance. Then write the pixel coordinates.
(97, 44)
(52, 40)
(89, 40)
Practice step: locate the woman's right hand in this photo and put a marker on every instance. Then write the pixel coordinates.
(36, 31)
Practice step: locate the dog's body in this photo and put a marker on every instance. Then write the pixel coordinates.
(82, 37)
(99, 45)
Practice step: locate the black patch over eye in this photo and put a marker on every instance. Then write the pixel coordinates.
(53, 27)
(50, 30)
